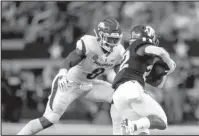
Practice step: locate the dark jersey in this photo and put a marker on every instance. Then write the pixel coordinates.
(134, 67)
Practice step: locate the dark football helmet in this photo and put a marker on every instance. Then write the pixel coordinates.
(144, 32)
(109, 34)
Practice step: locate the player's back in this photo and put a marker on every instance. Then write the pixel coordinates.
(134, 66)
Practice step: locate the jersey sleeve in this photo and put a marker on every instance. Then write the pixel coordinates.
(82, 46)
(153, 50)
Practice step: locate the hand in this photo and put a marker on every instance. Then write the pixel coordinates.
(62, 79)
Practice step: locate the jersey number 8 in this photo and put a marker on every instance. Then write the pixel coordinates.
(95, 73)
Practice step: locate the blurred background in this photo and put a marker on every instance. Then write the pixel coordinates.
(36, 36)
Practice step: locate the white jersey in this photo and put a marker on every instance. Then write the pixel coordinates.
(96, 62)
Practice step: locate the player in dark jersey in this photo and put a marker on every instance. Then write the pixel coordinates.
(130, 98)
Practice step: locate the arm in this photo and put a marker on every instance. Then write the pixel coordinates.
(71, 60)
(163, 54)
(74, 57)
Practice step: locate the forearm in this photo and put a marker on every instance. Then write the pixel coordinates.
(163, 54)
(71, 60)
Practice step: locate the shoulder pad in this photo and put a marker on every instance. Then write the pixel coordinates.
(90, 42)
(81, 46)
(88, 38)
(84, 43)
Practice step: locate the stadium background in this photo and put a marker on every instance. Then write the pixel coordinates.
(36, 36)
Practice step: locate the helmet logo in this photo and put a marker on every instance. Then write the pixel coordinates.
(150, 31)
(101, 25)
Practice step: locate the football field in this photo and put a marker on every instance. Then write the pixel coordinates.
(76, 128)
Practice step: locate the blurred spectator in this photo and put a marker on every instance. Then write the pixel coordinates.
(173, 100)
(12, 102)
(29, 87)
(5, 92)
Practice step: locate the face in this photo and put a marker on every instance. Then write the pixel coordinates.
(112, 41)
(109, 42)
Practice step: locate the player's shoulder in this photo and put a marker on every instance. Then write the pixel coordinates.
(120, 46)
(87, 42)
(88, 38)
(120, 49)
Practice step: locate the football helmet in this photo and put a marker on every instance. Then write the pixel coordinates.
(146, 32)
(109, 34)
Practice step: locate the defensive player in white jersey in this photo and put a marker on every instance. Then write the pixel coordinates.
(141, 62)
(92, 57)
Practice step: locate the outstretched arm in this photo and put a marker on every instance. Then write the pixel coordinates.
(71, 60)
(75, 56)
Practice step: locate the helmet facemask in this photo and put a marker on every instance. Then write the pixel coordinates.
(109, 41)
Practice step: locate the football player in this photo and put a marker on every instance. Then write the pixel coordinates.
(93, 56)
(138, 110)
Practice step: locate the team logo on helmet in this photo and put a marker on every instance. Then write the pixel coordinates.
(150, 31)
(101, 25)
